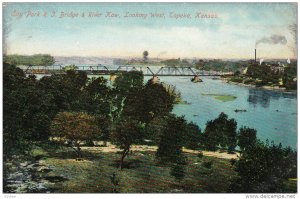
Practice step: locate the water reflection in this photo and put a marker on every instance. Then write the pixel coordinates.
(263, 97)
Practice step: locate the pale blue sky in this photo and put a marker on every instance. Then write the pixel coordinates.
(232, 35)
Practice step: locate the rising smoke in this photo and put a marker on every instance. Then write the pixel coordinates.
(261, 61)
(274, 39)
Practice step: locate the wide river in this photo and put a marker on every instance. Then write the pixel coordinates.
(273, 114)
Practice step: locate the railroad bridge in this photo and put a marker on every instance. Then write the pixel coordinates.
(147, 71)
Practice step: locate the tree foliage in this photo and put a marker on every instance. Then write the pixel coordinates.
(192, 136)
(290, 77)
(127, 132)
(154, 101)
(246, 138)
(220, 132)
(74, 128)
(27, 111)
(145, 55)
(264, 168)
(171, 140)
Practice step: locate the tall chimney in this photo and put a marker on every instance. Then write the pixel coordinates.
(255, 55)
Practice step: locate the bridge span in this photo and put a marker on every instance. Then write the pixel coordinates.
(104, 70)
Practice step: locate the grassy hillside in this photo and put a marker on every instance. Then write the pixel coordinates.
(141, 175)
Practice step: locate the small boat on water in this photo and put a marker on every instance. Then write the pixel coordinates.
(240, 110)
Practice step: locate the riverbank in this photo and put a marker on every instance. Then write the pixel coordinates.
(270, 88)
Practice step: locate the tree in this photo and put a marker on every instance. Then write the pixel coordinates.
(264, 168)
(220, 132)
(95, 96)
(27, 111)
(171, 140)
(290, 77)
(127, 84)
(74, 127)
(246, 138)
(145, 55)
(193, 136)
(16, 138)
(154, 101)
(170, 145)
(127, 132)
(66, 89)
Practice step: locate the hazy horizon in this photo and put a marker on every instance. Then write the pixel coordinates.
(234, 33)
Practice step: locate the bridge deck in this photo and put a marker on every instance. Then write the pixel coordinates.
(103, 70)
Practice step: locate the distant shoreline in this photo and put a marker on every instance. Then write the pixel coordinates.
(269, 88)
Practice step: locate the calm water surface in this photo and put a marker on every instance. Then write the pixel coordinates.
(272, 114)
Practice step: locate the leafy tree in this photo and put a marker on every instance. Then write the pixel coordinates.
(171, 140)
(27, 113)
(127, 84)
(155, 128)
(127, 132)
(16, 139)
(192, 136)
(220, 132)
(290, 77)
(94, 99)
(66, 89)
(145, 55)
(74, 127)
(264, 168)
(95, 96)
(246, 138)
(154, 101)
(170, 146)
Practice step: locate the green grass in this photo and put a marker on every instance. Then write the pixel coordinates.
(223, 98)
(142, 175)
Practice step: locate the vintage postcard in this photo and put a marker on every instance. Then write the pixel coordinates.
(150, 97)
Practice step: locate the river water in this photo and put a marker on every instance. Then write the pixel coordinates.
(273, 114)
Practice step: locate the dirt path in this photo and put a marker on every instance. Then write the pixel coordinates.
(112, 148)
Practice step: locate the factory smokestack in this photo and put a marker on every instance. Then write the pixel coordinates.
(255, 55)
